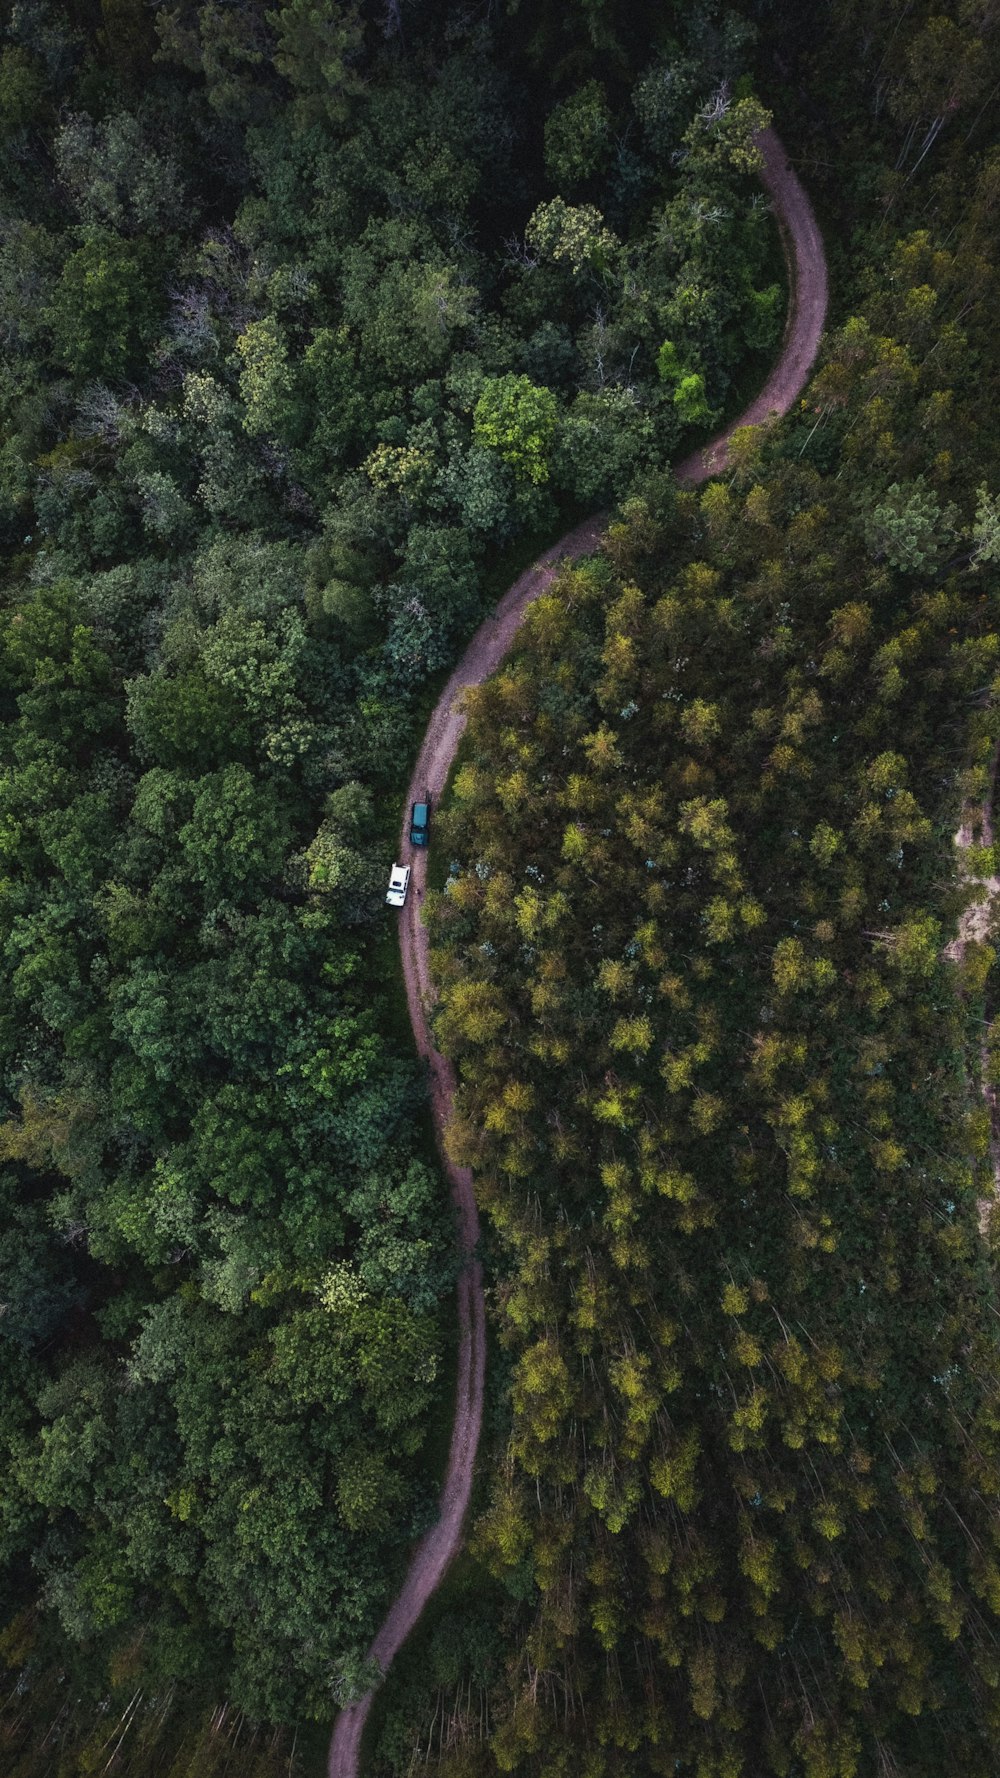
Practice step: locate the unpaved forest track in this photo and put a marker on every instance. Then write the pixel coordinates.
(806, 314)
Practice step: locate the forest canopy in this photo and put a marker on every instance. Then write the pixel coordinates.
(317, 322)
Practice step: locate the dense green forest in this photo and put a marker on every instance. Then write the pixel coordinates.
(315, 320)
(309, 315)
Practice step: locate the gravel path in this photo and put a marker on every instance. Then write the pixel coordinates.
(491, 642)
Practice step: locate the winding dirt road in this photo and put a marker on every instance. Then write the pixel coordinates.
(491, 642)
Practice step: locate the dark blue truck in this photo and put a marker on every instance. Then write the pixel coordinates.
(420, 822)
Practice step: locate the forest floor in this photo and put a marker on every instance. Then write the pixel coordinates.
(491, 643)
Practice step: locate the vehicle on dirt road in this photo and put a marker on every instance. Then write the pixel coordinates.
(420, 823)
(399, 882)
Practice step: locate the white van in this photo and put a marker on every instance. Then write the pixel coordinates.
(399, 882)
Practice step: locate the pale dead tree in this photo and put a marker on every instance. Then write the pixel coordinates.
(888, 1764)
(600, 340)
(121, 1729)
(929, 140)
(459, 235)
(934, 129)
(438, 1704)
(710, 214)
(717, 106)
(102, 413)
(518, 253)
(297, 285)
(392, 21)
(905, 149)
(191, 330)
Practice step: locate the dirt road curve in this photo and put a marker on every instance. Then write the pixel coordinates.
(807, 285)
(489, 645)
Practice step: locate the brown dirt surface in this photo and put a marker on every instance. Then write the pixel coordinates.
(491, 643)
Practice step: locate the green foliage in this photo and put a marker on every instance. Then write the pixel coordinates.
(22, 85)
(314, 49)
(265, 379)
(689, 399)
(668, 364)
(574, 235)
(601, 443)
(105, 307)
(117, 179)
(726, 997)
(909, 527)
(204, 1104)
(986, 527)
(516, 418)
(578, 136)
